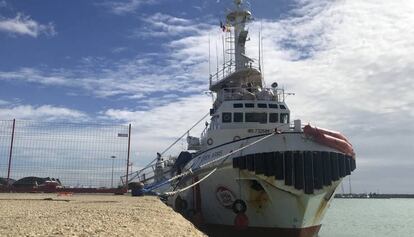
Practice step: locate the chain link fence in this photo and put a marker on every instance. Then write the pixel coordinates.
(69, 156)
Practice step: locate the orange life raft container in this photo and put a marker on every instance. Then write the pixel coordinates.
(331, 139)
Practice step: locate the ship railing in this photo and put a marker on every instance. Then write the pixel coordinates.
(145, 174)
(203, 134)
(229, 68)
(148, 173)
(259, 94)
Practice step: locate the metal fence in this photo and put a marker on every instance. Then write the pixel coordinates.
(71, 156)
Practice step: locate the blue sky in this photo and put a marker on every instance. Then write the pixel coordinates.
(146, 62)
(85, 38)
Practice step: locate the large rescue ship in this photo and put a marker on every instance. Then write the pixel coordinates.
(252, 170)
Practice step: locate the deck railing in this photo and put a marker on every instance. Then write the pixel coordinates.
(228, 68)
(239, 93)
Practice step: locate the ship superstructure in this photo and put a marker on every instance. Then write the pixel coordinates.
(253, 170)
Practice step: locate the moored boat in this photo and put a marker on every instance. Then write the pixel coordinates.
(252, 170)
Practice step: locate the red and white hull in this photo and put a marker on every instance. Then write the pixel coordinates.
(274, 206)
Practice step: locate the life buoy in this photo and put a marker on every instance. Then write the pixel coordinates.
(239, 206)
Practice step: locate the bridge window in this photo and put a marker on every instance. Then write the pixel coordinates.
(238, 118)
(273, 106)
(226, 118)
(237, 105)
(273, 117)
(284, 118)
(256, 117)
(263, 106)
(282, 106)
(249, 105)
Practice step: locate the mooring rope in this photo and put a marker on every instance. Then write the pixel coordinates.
(155, 186)
(235, 151)
(202, 167)
(190, 186)
(137, 173)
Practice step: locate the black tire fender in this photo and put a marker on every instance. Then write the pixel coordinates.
(239, 206)
(180, 204)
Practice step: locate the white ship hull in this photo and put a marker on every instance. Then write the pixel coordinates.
(272, 207)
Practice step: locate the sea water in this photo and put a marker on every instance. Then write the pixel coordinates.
(369, 218)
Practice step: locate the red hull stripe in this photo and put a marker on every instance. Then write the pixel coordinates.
(226, 231)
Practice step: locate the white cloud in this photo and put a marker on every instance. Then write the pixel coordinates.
(140, 77)
(351, 66)
(352, 70)
(24, 25)
(121, 7)
(3, 102)
(363, 62)
(119, 50)
(156, 128)
(163, 25)
(44, 113)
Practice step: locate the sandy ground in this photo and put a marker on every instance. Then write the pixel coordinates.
(89, 215)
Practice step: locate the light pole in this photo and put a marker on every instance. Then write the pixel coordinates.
(112, 176)
(130, 167)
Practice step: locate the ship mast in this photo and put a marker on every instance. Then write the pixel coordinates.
(239, 70)
(238, 18)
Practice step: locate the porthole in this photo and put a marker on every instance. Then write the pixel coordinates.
(226, 118)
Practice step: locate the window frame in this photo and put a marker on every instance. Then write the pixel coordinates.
(259, 120)
(273, 106)
(282, 115)
(277, 117)
(238, 114)
(249, 105)
(223, 116)
(238, 105)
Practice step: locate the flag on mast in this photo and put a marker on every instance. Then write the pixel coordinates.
(222, 26)
(225, 28)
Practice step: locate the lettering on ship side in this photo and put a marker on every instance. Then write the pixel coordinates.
(259, 131)
(210, 156)
(217, 154)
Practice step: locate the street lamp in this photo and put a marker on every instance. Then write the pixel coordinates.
(112, 176)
